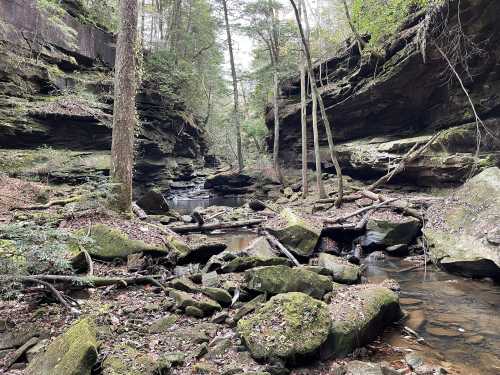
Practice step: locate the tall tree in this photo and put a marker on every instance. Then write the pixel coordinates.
(236, 112)
(359, 40)
(317, 157)
(303, 113)
(326, 122)
(124, 116)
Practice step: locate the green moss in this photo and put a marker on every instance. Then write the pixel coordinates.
(289, 325)
(282, 279)
(112, 243)
(126, 360)
(72, 353)
(205, 304)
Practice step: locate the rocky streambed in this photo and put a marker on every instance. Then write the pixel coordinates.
(190, 299)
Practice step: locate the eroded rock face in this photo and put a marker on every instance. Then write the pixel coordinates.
(458, 231)
(288, 326)
(62, 53)
(382, 105)
(387, 232)
(72, 353)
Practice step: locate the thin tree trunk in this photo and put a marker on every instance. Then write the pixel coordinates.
(276, 146)
(319, 180)
(124, 119)
(303, 115)
(361, 43)
(143, 19)
(333, 153)
(236, 112)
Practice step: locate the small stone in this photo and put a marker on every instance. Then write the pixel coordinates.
(414, 360)
(220, 318)
(201, 350)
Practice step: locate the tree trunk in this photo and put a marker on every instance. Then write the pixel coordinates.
(303, 114)
(333, 153)
(124, 117)
(276, 146)
(319, 180)
(236, 112)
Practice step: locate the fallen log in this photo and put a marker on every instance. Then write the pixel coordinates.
(58, 202)
(20, 351)
(274, 241)
(405, 210)
(214, 226)
(346, 198)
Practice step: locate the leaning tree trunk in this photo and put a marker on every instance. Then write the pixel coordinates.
(361, 43)
(333, 153)
(276, 145)
(124, 116)
(236, 112)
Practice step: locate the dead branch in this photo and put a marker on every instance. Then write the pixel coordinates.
(50, 287)
(360, 211)
(214, 226)
(20, 351)
(141, 214)
(58, 202)
(407, 158)
(347, 198)
(274, 241)
(90, 264)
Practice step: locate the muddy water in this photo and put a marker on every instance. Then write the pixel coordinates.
(458, 318)
(186, 205)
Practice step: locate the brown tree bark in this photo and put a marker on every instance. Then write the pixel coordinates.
(326, 122)
(124, 116)
(236, 111)
(303, 116)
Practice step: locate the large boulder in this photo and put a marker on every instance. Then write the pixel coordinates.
(389, 232)
(154, 203)
(296, 233)
(72, 353)
(111, 243)
(282, 279)
(341, 270)
(288, 326)
(359, 314)
(462, 230)
(229, 182)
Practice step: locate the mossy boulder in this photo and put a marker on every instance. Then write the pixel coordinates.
(260, 247)
(387, 232)
(296, 233)
(359, 314)
(461, 231)
(72, 353)
(205, 304)
(282, 279)
(243, 263)
(11, 258)
(112, 243)
(288, 326)
(341, 270)
(218, 294)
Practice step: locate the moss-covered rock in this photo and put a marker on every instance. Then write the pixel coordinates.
(282, 279)
(288, 326)
(111, 243)
(205, 304)
(460, 231)
(243, 263)
(11, 258)
(341, 270)
(72, 353)
(388, 232)
(260, 247)
(359, 314)
(297, 233)
(218, 295)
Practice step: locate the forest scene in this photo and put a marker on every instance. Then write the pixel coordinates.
(259, 187)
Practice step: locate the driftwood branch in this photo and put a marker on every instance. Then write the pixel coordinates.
(214, 226)
(274, 241)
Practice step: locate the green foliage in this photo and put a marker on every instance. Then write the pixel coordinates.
(102, 13)
(381, 18)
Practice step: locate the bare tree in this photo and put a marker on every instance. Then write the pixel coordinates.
(303, 115)
(124, 116)
(359, 40)
(236, 112)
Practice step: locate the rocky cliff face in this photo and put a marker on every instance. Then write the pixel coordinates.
(381, 104)
(56, 91)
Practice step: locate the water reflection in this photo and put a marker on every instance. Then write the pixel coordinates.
(458, 318)
(187, 205)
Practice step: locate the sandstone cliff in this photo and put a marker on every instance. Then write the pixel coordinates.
(381, 104)
(56, 91)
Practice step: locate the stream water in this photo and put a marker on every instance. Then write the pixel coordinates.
(457, 317)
